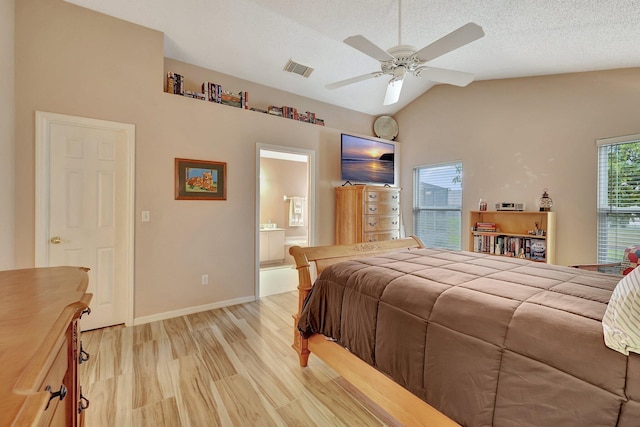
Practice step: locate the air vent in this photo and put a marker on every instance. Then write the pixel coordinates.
(294, 67)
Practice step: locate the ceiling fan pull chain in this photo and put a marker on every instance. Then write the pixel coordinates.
(399, 22)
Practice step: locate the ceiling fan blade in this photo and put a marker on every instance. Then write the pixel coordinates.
(353, 80)
(368, 48)
(455, 39)
(440, 75)
(393, 91)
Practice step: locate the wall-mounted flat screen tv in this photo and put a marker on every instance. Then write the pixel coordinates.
(366, 161)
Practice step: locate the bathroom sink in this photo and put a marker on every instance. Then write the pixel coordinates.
(269, 226)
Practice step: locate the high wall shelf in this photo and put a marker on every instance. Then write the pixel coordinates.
(214, 92)
(515, 234)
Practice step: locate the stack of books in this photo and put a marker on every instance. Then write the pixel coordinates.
(175, 83)
(214, 93)
(488, 227)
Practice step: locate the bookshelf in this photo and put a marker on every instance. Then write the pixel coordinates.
(511, 234)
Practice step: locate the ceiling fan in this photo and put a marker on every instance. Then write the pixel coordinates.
(402, 59)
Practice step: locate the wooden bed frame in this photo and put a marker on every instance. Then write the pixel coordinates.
(401, 404)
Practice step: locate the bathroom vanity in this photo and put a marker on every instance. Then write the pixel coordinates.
(271, 245)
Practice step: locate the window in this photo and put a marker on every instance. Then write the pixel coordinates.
(437, 205)
(618, 196)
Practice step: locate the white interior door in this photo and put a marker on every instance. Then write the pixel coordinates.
(86, 211)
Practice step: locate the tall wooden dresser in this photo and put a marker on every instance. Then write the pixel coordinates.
(367, 213)
(39, 346)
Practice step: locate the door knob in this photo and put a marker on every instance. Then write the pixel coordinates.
(56, 240)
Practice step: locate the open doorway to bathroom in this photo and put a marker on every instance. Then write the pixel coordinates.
(284, 214)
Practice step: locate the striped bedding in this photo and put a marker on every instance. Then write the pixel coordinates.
(621, 321)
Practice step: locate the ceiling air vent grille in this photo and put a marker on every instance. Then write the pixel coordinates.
(294, 67)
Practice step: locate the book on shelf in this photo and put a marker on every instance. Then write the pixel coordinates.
(513, 246)
(211, 91)
(195, 95)
(175, 83)
(538, 249)
(485, 227)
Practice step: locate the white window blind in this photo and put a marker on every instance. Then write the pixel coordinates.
(618, 196)
(437, 205)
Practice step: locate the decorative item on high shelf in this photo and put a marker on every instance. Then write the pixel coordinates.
(386, 127)
(545, 202)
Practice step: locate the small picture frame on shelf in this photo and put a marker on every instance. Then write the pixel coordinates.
(200, 180)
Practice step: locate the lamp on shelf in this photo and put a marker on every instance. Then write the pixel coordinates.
(545, 202)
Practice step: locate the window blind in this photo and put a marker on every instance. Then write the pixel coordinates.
(618, 196)
(437, 205)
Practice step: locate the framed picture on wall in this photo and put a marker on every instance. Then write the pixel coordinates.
(200, 180)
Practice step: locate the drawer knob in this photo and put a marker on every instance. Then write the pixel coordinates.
(83, 356)
(373, 224)
(83, 403)
(59, 394)
(372, 209)
(373, 196)
(85, 311)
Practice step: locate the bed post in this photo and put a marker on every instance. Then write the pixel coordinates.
(300, 344)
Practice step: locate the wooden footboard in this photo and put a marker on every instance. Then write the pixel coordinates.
(310, 262)
(396, 400)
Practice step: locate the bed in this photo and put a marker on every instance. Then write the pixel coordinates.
(439, 337)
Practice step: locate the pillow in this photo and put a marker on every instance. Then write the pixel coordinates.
(630, 259)
(621, 321)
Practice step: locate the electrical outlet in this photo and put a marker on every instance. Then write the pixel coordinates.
(205, 279)
(146, 216)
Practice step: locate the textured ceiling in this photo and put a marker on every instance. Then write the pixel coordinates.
(254, 39)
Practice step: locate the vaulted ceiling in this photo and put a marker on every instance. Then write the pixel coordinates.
(254, 39)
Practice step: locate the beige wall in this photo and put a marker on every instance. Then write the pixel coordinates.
(261, 97)
(517, 136)
(78, 62)
(279, 178)
(7, 134)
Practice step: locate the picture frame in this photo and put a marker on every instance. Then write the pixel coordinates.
(200, 180)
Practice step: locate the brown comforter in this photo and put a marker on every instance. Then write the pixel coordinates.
(486, 340)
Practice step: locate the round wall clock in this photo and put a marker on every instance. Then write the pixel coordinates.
(385, 127)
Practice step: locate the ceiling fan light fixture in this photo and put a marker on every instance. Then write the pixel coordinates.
(399, 60)
(393, 91)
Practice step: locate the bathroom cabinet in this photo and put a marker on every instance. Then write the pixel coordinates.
(272, 245)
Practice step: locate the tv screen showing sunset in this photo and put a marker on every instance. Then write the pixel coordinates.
(367, 161)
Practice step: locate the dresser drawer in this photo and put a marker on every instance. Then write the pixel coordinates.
(380, 223)
(381, 196)
(381, 209)
(55, 414)
(378, 237)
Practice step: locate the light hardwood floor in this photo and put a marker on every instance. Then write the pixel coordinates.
(226, 367)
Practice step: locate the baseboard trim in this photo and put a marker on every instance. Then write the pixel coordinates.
(190, 310)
